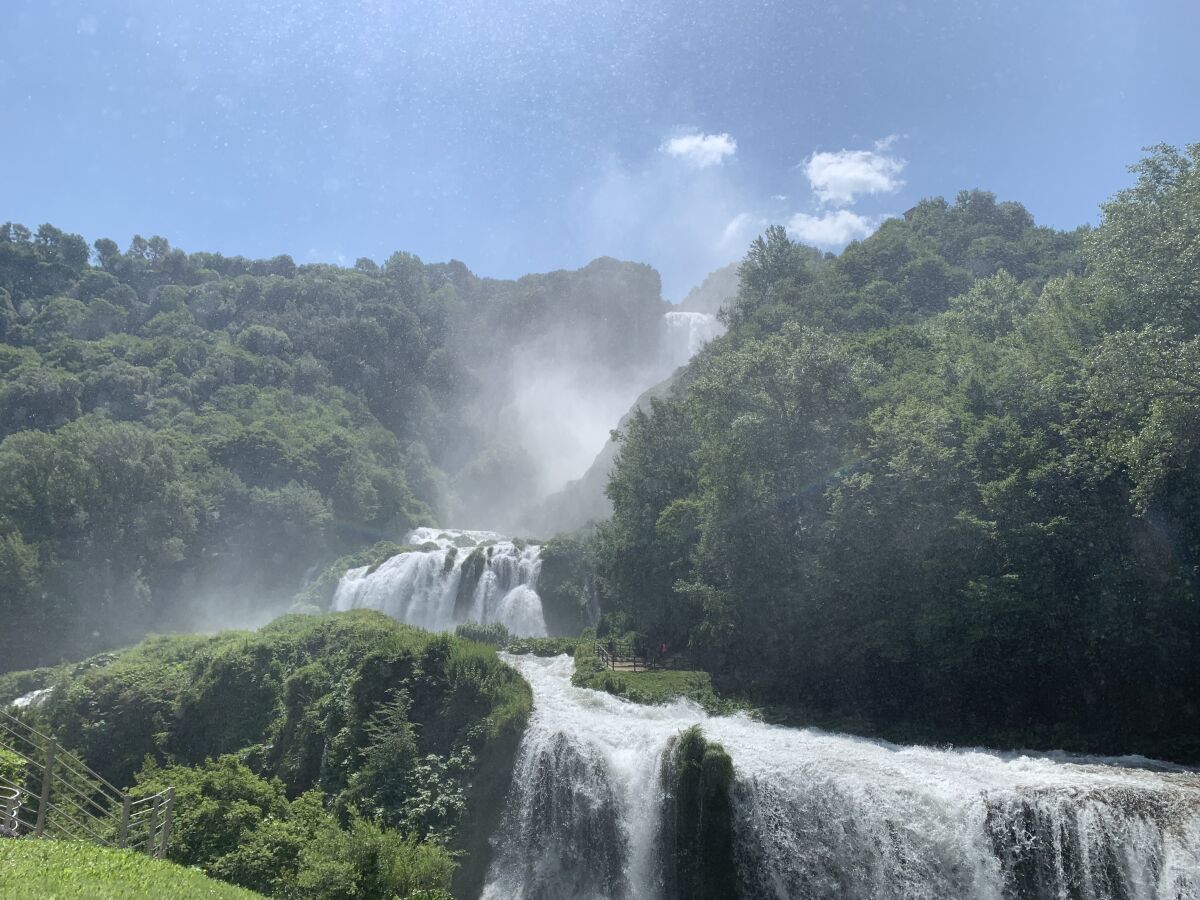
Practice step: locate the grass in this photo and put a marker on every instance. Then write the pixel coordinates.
(658, 686)
(59, 870)
(655, 687)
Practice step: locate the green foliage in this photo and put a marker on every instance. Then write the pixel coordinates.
(184, 436)
(942, 484)
(566, 585)
(548, 646)
(410, 730)
(657, 686)
(12, 767)
(494, 634)
(372, 863)
(240, 828)
(36, 870)
(217, 805)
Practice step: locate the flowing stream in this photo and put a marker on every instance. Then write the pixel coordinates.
(819, 815)
(686, 333)
(454, 577)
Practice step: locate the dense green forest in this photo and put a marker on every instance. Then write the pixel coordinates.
(939, 486)
(338, 756)
(945, 484)
(184, 436)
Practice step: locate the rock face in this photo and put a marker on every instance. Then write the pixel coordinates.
(554, 360)
(717, 289)
(683, 331)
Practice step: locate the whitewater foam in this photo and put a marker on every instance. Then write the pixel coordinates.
(823, 815)
(455, 577)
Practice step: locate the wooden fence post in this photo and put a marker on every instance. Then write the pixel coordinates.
(44, 800)
(166, 828)
(152, 826)
(123, 838)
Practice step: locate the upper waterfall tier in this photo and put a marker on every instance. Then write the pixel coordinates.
(686, 333)
(455, 577)
(821, 815)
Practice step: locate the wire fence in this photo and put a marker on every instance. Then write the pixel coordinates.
(47, 791)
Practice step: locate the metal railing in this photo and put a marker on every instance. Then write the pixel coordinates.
(625, 657)
(47, 791)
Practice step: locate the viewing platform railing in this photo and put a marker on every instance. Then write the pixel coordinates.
(623, 657)
(47, 791)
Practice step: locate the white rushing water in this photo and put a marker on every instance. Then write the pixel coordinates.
(686, 333)
(457, 576)
(819, 815)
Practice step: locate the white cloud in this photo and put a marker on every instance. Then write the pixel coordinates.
(701, 150)
(832, 229)
(687, 220)
(838, 178)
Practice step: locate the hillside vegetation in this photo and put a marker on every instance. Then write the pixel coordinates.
(344, 755)
(943, 485)
(184, 435)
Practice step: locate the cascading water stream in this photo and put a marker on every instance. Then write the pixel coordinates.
(686, 333)
(819, 815)
(455, 577)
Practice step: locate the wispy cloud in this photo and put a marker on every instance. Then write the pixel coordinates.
(832, 229)
(840, 177)
(701, 150)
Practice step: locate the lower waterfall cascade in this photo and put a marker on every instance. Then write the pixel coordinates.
(821, 815)
(454, 577)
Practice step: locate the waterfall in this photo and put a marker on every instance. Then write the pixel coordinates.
(454, 577)
(686, 333)
(820, 815)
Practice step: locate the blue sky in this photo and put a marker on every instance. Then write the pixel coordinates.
(531, 136)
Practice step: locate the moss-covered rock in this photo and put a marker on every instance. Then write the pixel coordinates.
(472, 570)
(697, 852)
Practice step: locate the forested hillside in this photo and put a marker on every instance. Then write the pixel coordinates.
(944, 484)
(184, 436)
(337, 756)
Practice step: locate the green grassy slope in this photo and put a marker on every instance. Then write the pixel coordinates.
(57, 870)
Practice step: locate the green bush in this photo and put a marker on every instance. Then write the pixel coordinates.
(240, 828)
(12, 767)
(217, 805)
(494, 634)
(366, 862)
